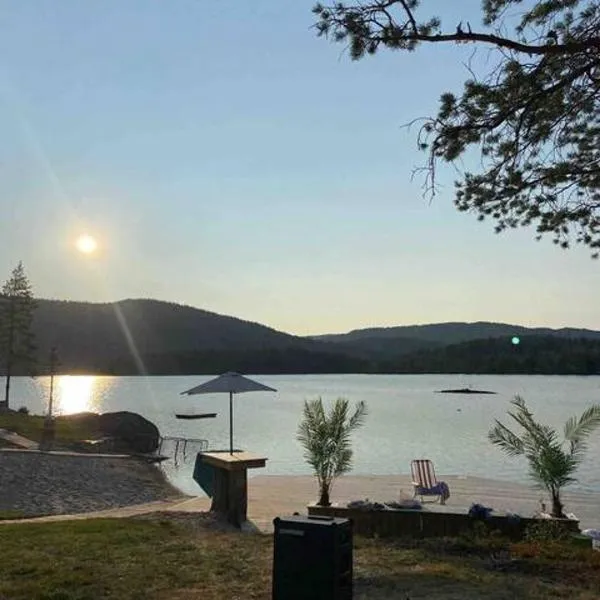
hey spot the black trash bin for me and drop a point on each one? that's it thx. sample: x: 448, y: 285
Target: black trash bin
x: 312, y: 558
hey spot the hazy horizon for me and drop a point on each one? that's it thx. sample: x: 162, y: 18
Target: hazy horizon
x: 224, y: 157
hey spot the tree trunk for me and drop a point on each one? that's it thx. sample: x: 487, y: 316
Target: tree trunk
x: 557, y: 507
x: 6, y: 389
x: 9, y: 354
x: 324, y: 499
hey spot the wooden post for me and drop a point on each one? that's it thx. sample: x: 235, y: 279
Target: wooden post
x: 230, y: 493
x: 48, y: 433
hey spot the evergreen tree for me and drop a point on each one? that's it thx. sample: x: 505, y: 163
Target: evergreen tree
x: 16, y: 337
x: 533, y: 117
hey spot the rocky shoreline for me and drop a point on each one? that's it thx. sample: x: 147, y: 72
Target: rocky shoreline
x: 36, y: 483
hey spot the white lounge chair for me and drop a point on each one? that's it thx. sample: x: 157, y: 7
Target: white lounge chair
x: 425, y: 482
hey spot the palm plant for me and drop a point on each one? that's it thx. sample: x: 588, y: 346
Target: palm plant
x: 552, y: 461
x: 326, y: 440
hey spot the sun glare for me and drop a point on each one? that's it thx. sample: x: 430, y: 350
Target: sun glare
x: 86, y: 244
x: 75, y: 393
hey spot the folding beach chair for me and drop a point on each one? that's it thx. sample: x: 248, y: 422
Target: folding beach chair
x: 425, y: 483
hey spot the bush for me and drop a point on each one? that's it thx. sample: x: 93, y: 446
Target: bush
x: 480, y: 535
x: 557, y: 552
x: 547, y: 530
x: 23, y: 410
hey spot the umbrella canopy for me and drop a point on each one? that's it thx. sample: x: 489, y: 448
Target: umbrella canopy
x: 232, y: 383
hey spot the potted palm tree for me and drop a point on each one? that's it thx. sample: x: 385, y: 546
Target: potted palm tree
x: 552, y: 461
x: 326, y: 440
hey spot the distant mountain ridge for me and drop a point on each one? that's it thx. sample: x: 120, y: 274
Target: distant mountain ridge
x: 144, y: 336
x: 454, y: 332
x: 393, y: 342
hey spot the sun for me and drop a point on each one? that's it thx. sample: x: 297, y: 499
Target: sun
x: 86, y: 244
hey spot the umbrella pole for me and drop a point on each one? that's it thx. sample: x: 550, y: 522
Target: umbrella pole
x: 230, y: 422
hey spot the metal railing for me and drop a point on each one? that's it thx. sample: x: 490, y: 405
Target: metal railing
x: 181, y: 446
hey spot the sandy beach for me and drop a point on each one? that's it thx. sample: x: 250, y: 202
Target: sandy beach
x: 274, y: 495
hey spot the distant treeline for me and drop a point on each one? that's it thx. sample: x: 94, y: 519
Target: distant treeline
x: 264, y: 361
x: 544, y: 355
x: 133, y: 337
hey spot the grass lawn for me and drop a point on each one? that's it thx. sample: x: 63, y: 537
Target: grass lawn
x: 8, y: 515
x: 175, y: 558
x: 32, y: 426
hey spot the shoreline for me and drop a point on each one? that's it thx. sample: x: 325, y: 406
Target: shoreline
x: 272, y: 495
x: 576, y: 488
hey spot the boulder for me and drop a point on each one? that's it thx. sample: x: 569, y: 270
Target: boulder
x: 129, y: 432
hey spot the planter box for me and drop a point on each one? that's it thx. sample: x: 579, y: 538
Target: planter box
x: 423, y: 523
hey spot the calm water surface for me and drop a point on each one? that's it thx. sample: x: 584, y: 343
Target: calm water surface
x: 406, y: 420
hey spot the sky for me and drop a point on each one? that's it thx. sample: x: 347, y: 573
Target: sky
x: 224, y: 157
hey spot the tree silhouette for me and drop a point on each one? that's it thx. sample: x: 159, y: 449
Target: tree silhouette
x: 16, y: 337
x: 533, y: 117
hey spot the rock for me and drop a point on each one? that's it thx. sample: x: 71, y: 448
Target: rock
x: 130, y: 430
x: 130, y: 433
x: 105, y: 445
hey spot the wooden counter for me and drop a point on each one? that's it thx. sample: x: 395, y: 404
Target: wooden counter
x: 235, y: 461
x: 230, y: 481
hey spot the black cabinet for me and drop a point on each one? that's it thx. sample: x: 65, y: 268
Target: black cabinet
x: 312, y: 558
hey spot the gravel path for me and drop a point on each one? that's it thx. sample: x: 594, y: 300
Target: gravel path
x: 39, y: 483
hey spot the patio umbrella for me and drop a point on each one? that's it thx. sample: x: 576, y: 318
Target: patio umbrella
x: 231, y: 382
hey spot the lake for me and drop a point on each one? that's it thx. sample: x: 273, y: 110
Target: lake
x: 406, y: 420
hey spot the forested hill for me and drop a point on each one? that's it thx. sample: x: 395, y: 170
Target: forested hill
x: 535, y: 354
x: 385, y: 343
x: 453, y: 332
x: 149, y: 336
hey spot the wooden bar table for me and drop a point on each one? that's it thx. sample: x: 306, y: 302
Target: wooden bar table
x: 229, y: 481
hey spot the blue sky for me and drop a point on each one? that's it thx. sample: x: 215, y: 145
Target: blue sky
x: 226, y: 158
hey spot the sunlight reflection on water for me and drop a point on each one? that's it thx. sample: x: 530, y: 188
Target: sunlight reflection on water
x: 75, y: 393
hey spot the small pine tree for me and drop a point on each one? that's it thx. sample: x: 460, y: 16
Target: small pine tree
x: 16, y: 316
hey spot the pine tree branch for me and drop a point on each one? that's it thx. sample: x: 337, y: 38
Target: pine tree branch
x: 501, y: 42
x: 342, y: 18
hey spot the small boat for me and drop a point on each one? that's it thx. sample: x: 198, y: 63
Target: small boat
x: 197, y: 416
x: 465, y: 391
